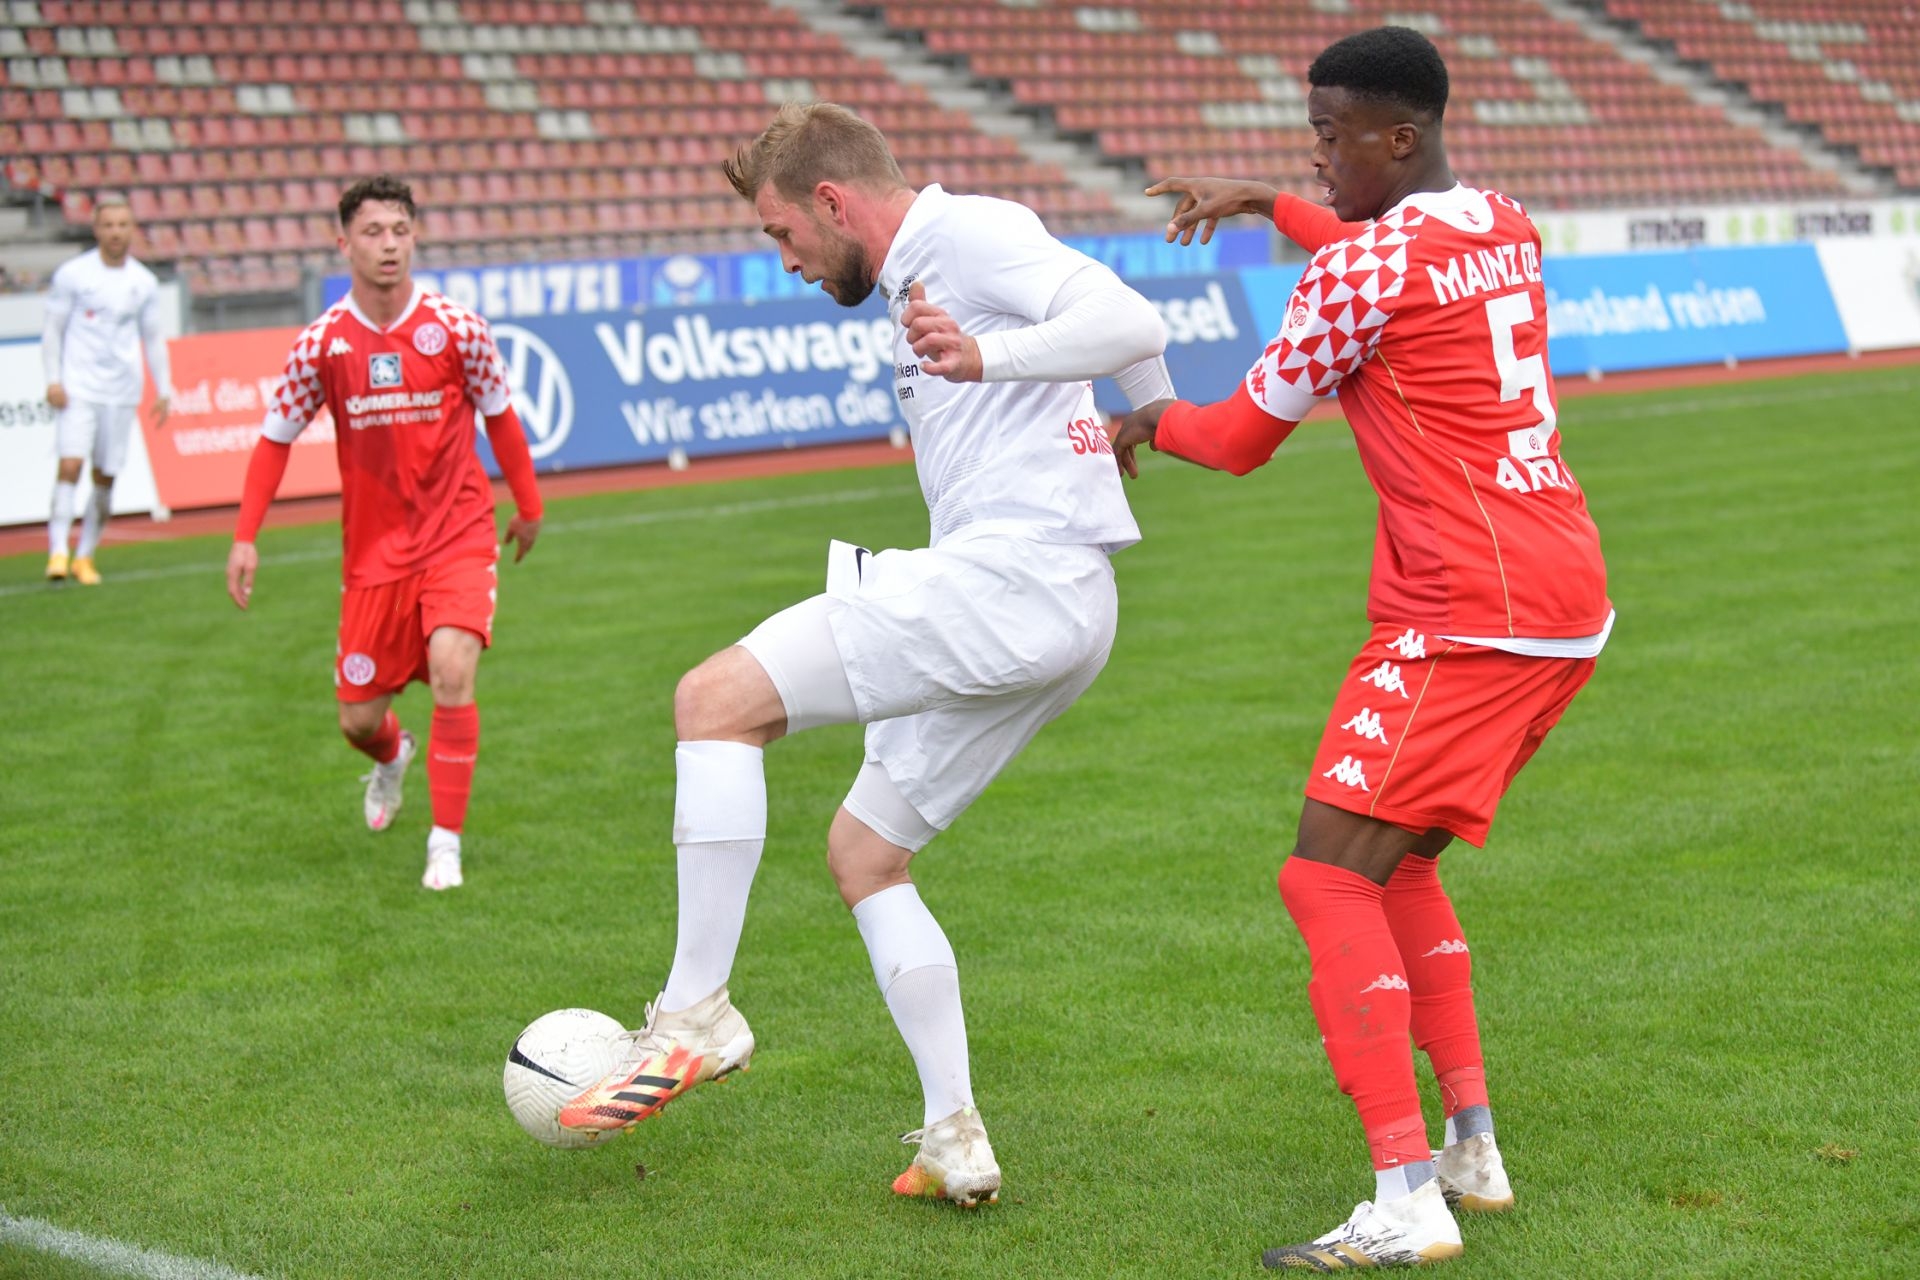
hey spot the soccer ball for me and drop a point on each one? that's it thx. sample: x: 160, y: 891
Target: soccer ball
x: 557, y: 1056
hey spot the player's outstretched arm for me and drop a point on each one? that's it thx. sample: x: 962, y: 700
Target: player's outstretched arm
x: 1204, y: 201
x: 509, y: 441
x: 242, y: 562
x: 265, y: 469
x: 1234, y: 435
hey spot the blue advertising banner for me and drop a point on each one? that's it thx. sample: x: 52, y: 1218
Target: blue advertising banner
x: 1652, y: 310
x: 526, y: 290
x: 611, y: 389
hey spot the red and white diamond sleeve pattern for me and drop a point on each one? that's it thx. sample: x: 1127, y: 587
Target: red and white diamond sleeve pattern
x: 1334, y: 318
x: 296, y: 401
x: 485, y: 371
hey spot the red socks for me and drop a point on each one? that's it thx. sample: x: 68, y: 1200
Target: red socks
x: 1361, y: 1001
x: 1440, y: 968
x: 384, y: 745
x: 451, y: 751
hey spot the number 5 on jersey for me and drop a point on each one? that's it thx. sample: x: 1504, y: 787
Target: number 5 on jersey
x: 1530, y: 468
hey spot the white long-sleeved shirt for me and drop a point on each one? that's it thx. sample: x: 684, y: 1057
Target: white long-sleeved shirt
x: 98, y: 317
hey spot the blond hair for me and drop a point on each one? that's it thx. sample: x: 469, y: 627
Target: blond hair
x: 811, y: 143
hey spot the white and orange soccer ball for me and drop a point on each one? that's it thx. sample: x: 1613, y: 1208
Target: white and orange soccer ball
x: 558, y: 1055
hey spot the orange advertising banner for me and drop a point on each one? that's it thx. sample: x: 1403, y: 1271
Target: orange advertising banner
x: 222, y: 384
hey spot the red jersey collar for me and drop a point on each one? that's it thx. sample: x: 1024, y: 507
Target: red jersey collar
x: 419, y: 292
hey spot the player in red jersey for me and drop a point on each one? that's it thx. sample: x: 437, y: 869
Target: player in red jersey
x: 1423, y: 309
x: 403, y: 372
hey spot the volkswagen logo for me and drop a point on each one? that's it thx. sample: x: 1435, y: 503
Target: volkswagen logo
x: 541, y: 390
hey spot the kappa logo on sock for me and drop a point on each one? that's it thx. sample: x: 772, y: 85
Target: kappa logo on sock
x: 1451, y: 947
x: 1386, y: 982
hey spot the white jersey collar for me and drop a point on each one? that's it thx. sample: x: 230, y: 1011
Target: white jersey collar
x: 1460, y: 206
x: 924, y: 208
x: 419, y: 292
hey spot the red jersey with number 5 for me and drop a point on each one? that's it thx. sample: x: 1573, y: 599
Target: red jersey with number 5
x: 403, y: 400
x: 1431, y: 324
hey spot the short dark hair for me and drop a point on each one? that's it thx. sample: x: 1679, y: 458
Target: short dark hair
x: 384, y: 187
x: 1394, y: 65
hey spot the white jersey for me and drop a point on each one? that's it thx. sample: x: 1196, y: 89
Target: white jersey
x: 97, y: 317
x: 1026, y: 459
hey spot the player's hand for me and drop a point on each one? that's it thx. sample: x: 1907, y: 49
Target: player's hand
x: 242, y: 561
x: 1204, y: 201
x: 56, y: 395
x: 1129, y: 432
x: 935, y: 337
x: 161, y: 408
x: 522, y: 531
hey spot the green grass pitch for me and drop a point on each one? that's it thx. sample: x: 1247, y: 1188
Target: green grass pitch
x: 236, y: 1029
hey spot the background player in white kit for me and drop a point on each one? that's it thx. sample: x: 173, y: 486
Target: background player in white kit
x: 953, y: 656
x: 102, y: 306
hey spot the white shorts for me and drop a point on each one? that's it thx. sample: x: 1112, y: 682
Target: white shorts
x: 955, y: 656
x: 86, y: 429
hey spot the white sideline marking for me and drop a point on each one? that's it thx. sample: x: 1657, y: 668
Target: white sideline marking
x: 108, y: 1255
x: 217, y: 570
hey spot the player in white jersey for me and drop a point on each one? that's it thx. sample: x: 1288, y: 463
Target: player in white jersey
x: 103, y: 305
x: 954, y: 656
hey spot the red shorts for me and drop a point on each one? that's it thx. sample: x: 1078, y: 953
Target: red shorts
x: 1429, y: 733
x: 384, y: 629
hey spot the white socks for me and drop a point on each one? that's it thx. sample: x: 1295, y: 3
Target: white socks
x: 914, y: 965
x: 99, y: 511
x: 1404, y: 1180
x: 719, y: 829
x: 60, y: 520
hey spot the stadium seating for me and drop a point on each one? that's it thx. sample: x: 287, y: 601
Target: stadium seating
x: 1851, y: 70
x: 1538, y: 109
x: 549, y: 128
x: 528, y: 128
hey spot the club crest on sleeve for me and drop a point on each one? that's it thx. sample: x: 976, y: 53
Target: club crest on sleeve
x: 383, y: 369
x: 430, y: 339
x: 1298, y: 315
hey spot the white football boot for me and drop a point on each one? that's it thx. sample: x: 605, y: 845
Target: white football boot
x: 668, y: 1056
x: 383, y: 785
x: 1471, y: 1176
x: 955, y: 1162
x: 443, y: 861
x: 1408, y: 1232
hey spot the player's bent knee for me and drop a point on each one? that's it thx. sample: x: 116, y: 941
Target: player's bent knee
x: 360, y: 721
x: 728, y: 697
x: 862, y: 860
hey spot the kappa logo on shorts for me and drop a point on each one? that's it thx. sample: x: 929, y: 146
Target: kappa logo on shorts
x: 430, y: 339
x: 1367, y: 724
x: 1386, y: 982
x: 357, y: 669
x: 1387, y: 676
x: 383, y: 369
x: 1411, y: 645
x: 1451, y: 947
x: 1348, y: 773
